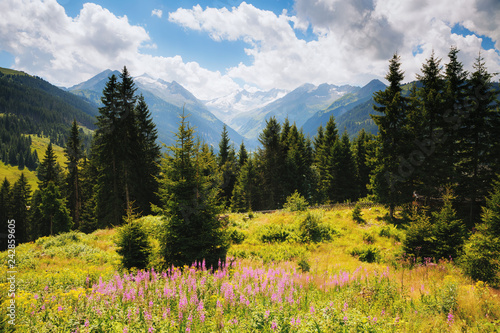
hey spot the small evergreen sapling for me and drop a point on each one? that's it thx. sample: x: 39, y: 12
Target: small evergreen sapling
x: 133, y: 243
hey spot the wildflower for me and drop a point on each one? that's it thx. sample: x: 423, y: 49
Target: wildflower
x: 450, y: 319
x: 86, y: 323
x: 151, y: 329
x: 274, y: 325
x: 266, y: 315
x: 312, y: 309
x: 125, y: 330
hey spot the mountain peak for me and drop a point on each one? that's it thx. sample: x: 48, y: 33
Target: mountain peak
x: 96, y: 82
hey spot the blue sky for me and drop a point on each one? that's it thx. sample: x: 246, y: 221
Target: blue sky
x: 215, y: 47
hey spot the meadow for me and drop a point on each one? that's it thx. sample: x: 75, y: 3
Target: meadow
x: 314, y: 271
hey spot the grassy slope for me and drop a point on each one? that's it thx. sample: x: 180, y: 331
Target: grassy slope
x: 419, y: 295
x: 40, y: 145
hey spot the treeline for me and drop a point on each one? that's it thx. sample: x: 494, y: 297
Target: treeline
x: 15, y: 148
x: 94, y: 189
x: 444, y: 133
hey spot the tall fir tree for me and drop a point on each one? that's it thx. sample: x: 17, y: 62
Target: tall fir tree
x: 5, y: 211
x: 479, y: 152
x: 128, y: 133
x: 189, y: 194
x: 245, y: 195
x: 363, y: 150
x: 74, y: 153
x: 242, y: 155
x: 20, y: 206
x: 434, y: 169
x: 110, y: 205
x: 55, y: 215
x: 228, y: 166
x: 49, y: 170
x: 325, y: 160
x: 389, y: 182
x: 271, y: 165
x: 147, y: 159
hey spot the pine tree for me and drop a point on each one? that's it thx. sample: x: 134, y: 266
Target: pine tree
x: 325, y: 160
x: 242, y: 155
x: 389, y: 182
x: 344, y: 171
x: 193, y: 231
x: 5, y: 211
x: 55, y: 215
x: 228, y: 167
x: 434, y: 170
x: 479, y: 152
x: 127, y: 132
x: 74, y: 153
x: 482, y: 250
x: 271, y: 165
x: 49, y: 170
x: 133, y: 243
x: 363, y: 146
x: 20, y: 199
x: 245, y: 195
x: 105, y: 151
x: 147, y: 158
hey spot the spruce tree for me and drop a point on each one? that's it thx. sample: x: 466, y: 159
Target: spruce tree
x: 242, y: 155
x: 435, y: 169
x: 270, y: 159
x: 479, y: 154
x: 49, y: 170
x: 5, y: 211
x: 193, y: 231
x: 105, y: 151
x: 74, y: 153
x: 55, y: 215
x: 325, y: 160
x: 228, y: 167
x: 363, y: 149
x: 128, y: 133
x: 147, y: 158
x: 20, y: 205
x: 245, y: 196
x: 390, y: 182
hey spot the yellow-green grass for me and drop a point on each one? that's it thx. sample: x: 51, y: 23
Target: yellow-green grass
x: 405, y: 298
x: 12, y: 173
x: 38, y: 144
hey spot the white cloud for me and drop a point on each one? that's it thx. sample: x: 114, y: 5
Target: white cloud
x: 351, y: 41
x: 354, y: 39
x: 157, y: 12
x: 67, y: 51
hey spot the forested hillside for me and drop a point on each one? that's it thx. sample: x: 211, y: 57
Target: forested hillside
x: 30, y: 105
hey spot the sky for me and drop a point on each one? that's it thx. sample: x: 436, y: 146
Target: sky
x: 215, y: 47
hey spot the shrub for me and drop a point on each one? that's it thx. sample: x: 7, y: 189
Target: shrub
x: 304, y: 265
x: 274, y: 233
x: 133, y: 245
x: 295, y: 203
x: 310, y: 228
x: 357, y: 216
x: 367, y: 254
x: 236, y: 236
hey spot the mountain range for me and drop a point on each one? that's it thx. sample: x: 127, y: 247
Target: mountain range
x: 245, y: 112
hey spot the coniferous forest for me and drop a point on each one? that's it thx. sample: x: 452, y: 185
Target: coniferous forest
x: 434, y: 165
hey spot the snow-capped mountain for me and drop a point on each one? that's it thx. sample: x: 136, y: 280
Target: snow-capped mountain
x: 239, y: 101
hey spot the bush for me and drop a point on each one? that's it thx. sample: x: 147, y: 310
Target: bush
x: 274, y: 233
x: 357, y: 216
x: 236, y: 236
x: 295, y: 203
x: 367, y: 254
x: 133, y: 245
x: 310, y: 228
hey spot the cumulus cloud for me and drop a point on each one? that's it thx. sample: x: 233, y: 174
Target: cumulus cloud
x: 157, y: 12
x: 67, y: 51
x: 352, y: 40
x: 347, y: 41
